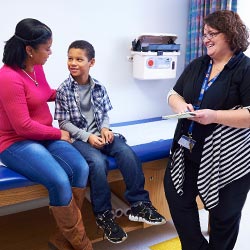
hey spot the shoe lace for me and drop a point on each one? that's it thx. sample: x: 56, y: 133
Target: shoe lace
x: 109, y: 222
x: 150, y: 209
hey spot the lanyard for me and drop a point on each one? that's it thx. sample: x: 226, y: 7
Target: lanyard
x: 205, y: 86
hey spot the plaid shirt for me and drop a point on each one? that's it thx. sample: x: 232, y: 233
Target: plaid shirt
x: 67, y: 105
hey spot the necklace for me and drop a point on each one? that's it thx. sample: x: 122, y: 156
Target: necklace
x: 34, y: 80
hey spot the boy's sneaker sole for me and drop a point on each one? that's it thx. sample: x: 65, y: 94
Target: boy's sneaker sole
x: 141, y: 219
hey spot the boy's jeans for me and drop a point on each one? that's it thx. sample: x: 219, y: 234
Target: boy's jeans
x: 127, y: 162
x: 56, y: 164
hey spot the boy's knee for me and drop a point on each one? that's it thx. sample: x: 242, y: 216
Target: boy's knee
x: 100, y: 163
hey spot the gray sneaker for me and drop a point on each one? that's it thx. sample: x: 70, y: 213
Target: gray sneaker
x: 113, y: 232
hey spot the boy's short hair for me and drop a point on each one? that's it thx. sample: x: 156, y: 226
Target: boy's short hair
x: 84, y: 45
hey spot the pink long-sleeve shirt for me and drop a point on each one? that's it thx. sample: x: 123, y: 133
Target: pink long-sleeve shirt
x: 24, y: 112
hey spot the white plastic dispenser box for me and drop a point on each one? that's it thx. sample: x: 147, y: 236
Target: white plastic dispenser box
x: 155, y: 56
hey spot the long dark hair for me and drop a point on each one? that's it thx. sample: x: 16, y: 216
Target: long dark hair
x: 30, y: 32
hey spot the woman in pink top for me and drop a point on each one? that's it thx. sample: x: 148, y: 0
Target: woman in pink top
x: 29, y: 144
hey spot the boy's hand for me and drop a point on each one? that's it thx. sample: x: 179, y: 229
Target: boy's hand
x: 107, y: 135
x: 96, y: 141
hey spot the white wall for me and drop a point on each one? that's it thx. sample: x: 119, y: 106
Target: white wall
x: 243, y: 11
x: 110, y: 26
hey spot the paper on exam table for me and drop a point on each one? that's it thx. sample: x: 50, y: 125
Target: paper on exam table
x: 147, y: 132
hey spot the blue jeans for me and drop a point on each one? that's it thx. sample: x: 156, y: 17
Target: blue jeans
x: 56, y: 164
x: 127, y: 162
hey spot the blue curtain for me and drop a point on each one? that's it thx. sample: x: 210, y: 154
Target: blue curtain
x: 198, y: 9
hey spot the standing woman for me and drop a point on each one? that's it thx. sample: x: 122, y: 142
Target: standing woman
x: 210, y: 155
x: 29, y: 144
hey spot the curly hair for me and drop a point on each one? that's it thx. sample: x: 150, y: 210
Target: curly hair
x: 230, y: 24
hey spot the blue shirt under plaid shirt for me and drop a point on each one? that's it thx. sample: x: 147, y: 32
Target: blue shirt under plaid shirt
x: 67, y: 105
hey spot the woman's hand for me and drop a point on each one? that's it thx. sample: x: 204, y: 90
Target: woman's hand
x: 179, y: 105
x: 238, y: 118
x: 205, y: 116
x: 65, y: 136
x: 187, y: 107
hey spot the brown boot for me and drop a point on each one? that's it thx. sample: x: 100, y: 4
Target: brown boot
x: 79, y: 195
x: 57, y: 241
x: 69, y: 221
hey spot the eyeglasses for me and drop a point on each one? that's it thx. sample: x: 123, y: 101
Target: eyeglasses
x: 210, y: 36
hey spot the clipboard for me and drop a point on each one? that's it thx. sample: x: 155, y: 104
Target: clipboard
x: 179, y: 116
x: 187, y: 115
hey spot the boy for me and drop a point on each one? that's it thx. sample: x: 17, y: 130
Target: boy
x: 82, y: 106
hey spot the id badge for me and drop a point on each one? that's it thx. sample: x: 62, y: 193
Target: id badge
x: 187, y: 142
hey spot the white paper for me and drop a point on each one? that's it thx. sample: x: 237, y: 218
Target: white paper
x: 179, y: 116
x: 147, y: 132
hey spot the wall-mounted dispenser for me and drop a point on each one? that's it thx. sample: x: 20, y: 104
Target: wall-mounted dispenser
x: 154, y: 56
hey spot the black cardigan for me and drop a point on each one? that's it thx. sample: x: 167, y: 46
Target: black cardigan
x: 230, y: 89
